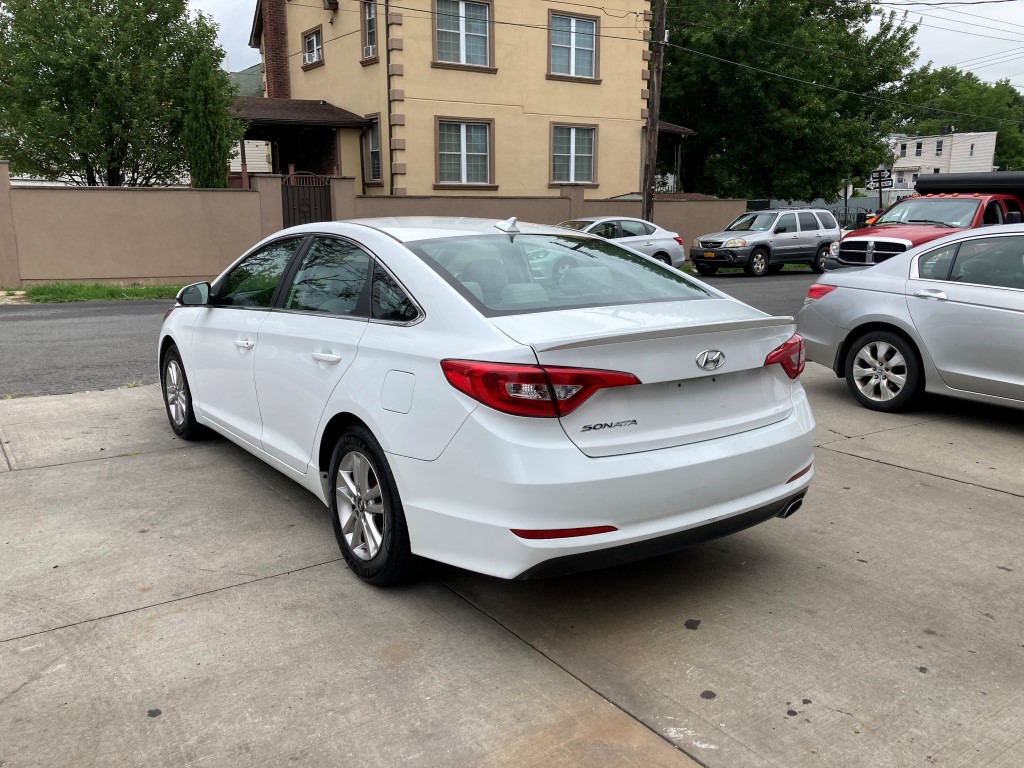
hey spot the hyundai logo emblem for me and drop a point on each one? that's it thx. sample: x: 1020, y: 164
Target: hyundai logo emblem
x: 710, y: 359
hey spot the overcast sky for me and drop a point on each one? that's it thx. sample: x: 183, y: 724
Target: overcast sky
x: 985, y: 37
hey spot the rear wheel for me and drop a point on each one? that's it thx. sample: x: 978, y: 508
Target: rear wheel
x: 818, y: 265
x: 757, y: 264
x: 706, y: 269
x: 663, y: 258
x: 366, y: 511
x: 882, y: 371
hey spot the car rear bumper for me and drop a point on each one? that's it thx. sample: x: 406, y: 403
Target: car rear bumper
x: 500, y: 473
x: 720, y: 256
x: 822, y: 338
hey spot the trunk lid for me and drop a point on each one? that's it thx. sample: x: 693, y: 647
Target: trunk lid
x: 677, y: 401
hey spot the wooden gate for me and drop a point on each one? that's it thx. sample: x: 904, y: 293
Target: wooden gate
x: 305, y: 197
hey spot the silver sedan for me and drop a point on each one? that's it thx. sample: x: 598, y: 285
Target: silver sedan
x: 637, y: 234
x: 946, y: 317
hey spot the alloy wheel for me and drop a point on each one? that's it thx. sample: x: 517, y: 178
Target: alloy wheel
x: 880, y: 371
x: 361, y: 511
x: 177, y: 392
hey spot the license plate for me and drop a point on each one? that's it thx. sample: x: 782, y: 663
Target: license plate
x: 709, y: 254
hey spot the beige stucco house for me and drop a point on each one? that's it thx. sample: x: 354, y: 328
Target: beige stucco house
x: 481, y: 97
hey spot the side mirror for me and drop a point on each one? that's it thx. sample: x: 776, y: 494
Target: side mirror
x: 197, y: 294
x: 1012, y: 217
x: 780, y: 230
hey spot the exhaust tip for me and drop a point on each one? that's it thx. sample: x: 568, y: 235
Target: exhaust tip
x: 792, y: 507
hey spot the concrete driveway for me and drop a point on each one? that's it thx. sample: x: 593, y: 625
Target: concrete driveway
x: 171, y: 604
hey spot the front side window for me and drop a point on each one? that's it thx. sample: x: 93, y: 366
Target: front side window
x: 807, y: 222
x: 331, y: 279
x: 572, y: 154
x: 540, y: 273
x: 463, y: 153
x: 373, y: 156
x: 252, y: 282
x: 752, y: 222
x: 993, y: 213
x: 573, y: 46
x: 369, y: 29
x: 462, y: 35
x: 787, y: 223
x: 312, y: 47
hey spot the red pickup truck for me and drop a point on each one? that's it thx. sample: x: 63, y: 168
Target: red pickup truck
x: 944, y: 203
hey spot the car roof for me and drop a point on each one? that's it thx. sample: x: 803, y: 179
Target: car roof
x: 610, y: 218
x: 410, y: 228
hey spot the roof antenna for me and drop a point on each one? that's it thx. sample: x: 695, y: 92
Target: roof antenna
x: 509, y: 228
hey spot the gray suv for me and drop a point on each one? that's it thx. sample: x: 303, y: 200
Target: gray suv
x: 764, y: 241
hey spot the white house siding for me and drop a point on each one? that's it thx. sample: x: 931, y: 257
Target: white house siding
x: 257, y: 158
x: 956, y: 155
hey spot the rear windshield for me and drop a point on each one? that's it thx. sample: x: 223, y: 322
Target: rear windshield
x: 502, y: 275
x: 931, y: 210
x: 752, y: 222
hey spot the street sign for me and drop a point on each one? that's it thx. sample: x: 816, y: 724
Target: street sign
x: 879, y: 184
x: 881, y: 174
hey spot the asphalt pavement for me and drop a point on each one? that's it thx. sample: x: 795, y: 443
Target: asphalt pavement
x: 50, y: 349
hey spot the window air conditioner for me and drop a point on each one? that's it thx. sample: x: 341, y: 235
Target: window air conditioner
x: 330, y: 5
x: 310, y: 57
x: 369, y: 51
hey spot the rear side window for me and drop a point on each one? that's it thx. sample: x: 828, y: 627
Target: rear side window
x: 331, y: 278
x: 993, y: 261
x: 633, y: 228
x: 388, y: 300
x: 828, y: 221
x: 1011, y: 206
x: 807, y: 222
x: 538, y: 273
x: 252, y: 282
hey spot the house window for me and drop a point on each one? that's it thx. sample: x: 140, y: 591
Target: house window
x: 972, y: 150
x: 368, y: 19
x: 463, y: 33
x: 312, y: 48
x: 900, y: 179
x: 572, y: 154
x: 938, y: 148
x: 903, y: 150
x: 917, y: 149
x: 372, y: 150
x: 573, y: 46
x: 936, y: 170
x: 913, y: 179
x: 463, y: 152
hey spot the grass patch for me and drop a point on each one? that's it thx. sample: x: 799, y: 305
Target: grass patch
x: 64, y: 292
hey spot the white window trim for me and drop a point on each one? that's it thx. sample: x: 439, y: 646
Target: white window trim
x: 463, y: 154
x: 573, y: 47
x: 572, y: 155
x: 462, y: 35
x: 370, y: 19
x: 317, y: 53
x: 371, y: 133
x: 938, y: 148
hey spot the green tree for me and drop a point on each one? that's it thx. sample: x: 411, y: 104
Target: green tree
x: 979, y: 106
x: 771, y: 135
x: 95, y: 91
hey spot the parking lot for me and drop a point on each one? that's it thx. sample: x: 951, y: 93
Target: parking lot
x: 183, y: 604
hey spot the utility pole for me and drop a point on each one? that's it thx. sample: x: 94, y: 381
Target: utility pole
x: 654, y: 110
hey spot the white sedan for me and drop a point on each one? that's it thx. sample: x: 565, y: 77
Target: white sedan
x: 445, y: 402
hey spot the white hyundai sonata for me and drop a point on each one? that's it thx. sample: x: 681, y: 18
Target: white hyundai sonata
x: 446, y: 402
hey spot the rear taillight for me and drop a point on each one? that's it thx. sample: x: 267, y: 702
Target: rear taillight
x: 530, y: 390
x: 678, y: 239
x: 790, y: 356
x: 818, y: 290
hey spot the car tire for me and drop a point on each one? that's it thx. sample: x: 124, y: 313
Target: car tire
x: 883, y: 372
x: 818, y: 265
x: 705, y: 269
x: 757, y: 264
x: 178, y: 396
x: 366, y: 511
x: 663, y: 258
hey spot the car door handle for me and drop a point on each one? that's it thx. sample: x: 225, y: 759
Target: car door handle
x: 649, y: 242
x: 325, y: 357
x: 931, y: 293
x: 245, y: 343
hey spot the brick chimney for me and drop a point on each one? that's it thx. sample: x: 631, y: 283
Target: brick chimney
x: 275, y: 49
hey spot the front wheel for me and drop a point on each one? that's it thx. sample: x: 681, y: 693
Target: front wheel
x: 366, y: 511
x: 178, y: 396
x: 882, y: 371
x: 818, y: 265
x: 706, y: 269
x: 757, y: 264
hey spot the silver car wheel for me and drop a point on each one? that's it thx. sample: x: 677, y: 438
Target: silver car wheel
x: 176, y: 392
x: 879, y: 371
x: 360, y: 505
